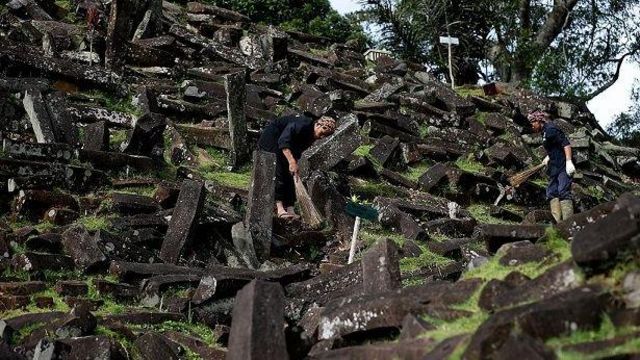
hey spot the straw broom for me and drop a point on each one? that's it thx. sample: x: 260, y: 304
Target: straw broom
x: 309, y: 213
x: 519, y: 178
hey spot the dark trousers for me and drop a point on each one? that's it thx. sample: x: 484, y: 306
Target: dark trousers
x: 559, y: 186
x: 285, y: 189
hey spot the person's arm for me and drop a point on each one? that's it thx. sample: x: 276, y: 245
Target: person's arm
x: 293, y: 164
x: 568, y: 154
x: 284, y: 143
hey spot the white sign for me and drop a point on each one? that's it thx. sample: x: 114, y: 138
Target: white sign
x: 449, y: 40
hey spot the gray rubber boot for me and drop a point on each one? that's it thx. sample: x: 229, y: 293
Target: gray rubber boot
x: 567, y: 209
x: 556, y: 210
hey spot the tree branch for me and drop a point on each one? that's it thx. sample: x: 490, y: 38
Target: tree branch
x: 611, y: 81
x: 554, y: 23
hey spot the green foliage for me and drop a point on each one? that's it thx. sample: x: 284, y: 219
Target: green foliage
x: 571, y: 49
x: 25, y: 331
x: 626, y: 126
x: 142, y: 190
x: 470, y: 164
x: 315, y: 17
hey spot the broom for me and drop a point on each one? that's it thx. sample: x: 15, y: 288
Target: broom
x: 519, y: 178
x: 308, y: 211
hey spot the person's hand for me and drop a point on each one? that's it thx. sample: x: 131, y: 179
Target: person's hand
x: 570, y: 168
x: 545, y: 162
x: 293, y: 168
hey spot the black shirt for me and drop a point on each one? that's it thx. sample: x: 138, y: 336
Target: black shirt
x: 288, y: 132
x: 554, y: 141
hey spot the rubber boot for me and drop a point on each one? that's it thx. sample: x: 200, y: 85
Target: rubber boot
x: 556, y: 210
x: 567, y: 209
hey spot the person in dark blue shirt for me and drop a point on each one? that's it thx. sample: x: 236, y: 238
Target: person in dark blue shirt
x: 288, y: 137
x: 560, y: 167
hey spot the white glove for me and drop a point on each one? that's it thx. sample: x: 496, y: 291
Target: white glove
x: 545, y: 162
x: 571, y: 169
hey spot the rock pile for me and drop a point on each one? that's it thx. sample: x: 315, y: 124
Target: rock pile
x: 135, y: 221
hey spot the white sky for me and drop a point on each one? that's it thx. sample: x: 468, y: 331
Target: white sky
x: 605, y: 107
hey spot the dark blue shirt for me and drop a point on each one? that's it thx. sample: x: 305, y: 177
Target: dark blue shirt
x: 288, y: 132
x: 554, y: 141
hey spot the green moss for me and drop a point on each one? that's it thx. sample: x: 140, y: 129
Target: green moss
x: 93, y: 223
x: 25, y: 331
x: 230, y: 179
x: 469, y: 164
x: 607, y: 330
x: 370, y: 189
x: 123, y: 105
x: 481, y: 117
x: 466, y: 91
x: 556, y: 243
x: 415, y: 171
x: 117, y: 137
x: 424, y: 131
x: 369, y: 234
x: 58, y: 302
x: 446, y: 329
x: 142, y: 190
x: 363, y: 150
x: 494, y: 270
x: 481, y: 214
x: 427, y: 258
x: 45, y: 226
x: 595, y: 191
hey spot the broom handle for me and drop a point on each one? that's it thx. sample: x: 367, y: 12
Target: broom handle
x: 356, y: 229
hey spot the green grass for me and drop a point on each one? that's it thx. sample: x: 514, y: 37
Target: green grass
x: 110, y: 102
x: 427, y: 258
x: 25, y: 331
x: 540, y: 182
x: 469, y: 164
x: 142, y: 190
x: 424, y: 131
x: 231, y: 179
x: 117, y: 137
x: 465, y: 91
x: 481, y: 117
x: 446, y: 329
x: 481, y: 214
x: 595, y: 191
x: 606, y: 331
x: 363, y: 150
x: 371, y: 189
x: 93, y: 223
x: 415, y: 171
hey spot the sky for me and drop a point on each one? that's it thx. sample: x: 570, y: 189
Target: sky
x: 605, y: 107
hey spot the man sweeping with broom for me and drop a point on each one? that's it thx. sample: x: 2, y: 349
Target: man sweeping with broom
x: 560, y: 167
x: 288, y: 137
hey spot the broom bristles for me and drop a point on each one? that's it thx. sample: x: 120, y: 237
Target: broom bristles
x: 519, y: 178
x: 309, y: 213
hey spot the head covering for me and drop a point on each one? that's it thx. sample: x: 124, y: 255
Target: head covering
x: 328, y: 122
x: 538, y: 116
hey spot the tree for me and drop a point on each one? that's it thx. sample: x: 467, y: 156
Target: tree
x: 568, y: 48
x: 316, y: 17
x: 626, y: 126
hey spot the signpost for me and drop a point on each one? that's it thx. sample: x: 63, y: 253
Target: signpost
x: 449, y: 40
x: 359, y: 211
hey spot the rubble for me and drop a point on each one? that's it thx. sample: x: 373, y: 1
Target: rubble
x: 133, y: 220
